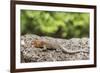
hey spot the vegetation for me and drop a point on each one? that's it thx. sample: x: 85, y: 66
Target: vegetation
x: 55, y: 24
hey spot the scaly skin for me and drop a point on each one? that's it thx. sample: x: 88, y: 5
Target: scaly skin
x: 54, y: 45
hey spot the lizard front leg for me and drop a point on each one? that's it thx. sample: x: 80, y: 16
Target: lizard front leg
x: 44, y: 47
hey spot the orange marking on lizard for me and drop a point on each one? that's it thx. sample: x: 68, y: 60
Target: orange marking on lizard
x: 38, y: 43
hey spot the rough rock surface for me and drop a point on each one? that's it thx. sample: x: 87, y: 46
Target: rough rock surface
x: 74, y: 49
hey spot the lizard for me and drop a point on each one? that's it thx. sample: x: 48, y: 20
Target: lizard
x: 39, y: 43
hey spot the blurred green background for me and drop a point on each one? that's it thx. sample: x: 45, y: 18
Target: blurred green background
x: 55, y: 24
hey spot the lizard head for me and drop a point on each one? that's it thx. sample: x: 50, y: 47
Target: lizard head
x: 38, y: 43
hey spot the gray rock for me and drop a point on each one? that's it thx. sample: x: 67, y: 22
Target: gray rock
x: 79, y: 46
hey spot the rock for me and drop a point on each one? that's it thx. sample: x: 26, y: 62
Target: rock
x: 79, y: 46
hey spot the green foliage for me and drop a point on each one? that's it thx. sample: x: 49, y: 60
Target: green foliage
x: 55, y: 24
